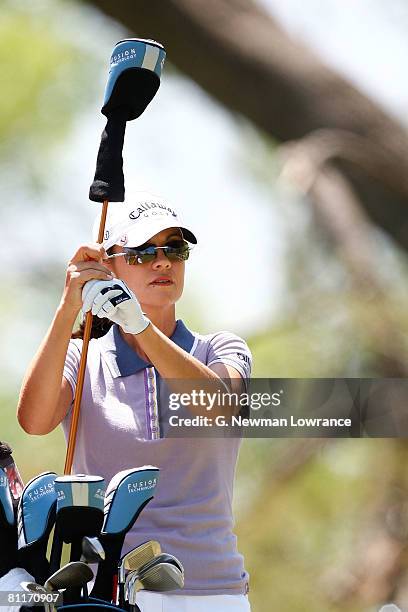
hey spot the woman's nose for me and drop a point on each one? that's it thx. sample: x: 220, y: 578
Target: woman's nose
x: 161, y: 262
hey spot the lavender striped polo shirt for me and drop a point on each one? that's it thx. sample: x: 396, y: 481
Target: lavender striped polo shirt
x: 119, y: 428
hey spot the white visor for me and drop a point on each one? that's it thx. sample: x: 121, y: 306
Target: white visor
x: 133, y: 223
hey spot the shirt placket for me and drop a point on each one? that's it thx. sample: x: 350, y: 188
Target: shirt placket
x: 152, y: 404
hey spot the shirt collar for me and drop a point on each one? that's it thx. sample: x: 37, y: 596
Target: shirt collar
x: 122, y: 360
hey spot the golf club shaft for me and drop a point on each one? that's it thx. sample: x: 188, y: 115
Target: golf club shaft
x: 82, y: 365
x: 121, y: 594
x: 56, y: 551
x: 76, y: 550
x: 105, y: 579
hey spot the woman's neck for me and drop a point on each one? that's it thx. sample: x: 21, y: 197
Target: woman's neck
x: 162, y: 318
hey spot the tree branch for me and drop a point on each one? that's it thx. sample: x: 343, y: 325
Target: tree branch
x: 237, y: 53
x: 308, y: 164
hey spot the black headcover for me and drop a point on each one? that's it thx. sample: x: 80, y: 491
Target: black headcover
x: 134, y: 78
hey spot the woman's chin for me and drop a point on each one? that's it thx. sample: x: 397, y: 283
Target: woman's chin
x: 160, y: 302
x: 160, y: 298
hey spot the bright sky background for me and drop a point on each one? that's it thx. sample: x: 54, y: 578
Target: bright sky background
x: 188, y: 148
x: 366, y: 40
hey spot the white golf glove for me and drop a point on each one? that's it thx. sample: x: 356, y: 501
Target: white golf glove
x: 114, y: 300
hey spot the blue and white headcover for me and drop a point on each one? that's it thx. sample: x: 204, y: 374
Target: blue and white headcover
x: 130, y: 54
x: 80, y: 490
x: 127, y: 494
x: 36, y: 509
x: 6, y: 502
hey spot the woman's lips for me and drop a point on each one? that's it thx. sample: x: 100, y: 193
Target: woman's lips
x: 162, y: 281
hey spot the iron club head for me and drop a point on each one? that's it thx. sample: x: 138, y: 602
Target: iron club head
x: 92, y: 550
x: 133, y: 560
x: 74, y: 574
x: 161, y: 577
x: 136, y: 558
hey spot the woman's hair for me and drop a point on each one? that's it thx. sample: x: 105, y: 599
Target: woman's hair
x: 99, y: 326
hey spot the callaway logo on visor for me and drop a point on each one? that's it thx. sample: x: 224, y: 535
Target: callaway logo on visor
x: 135, y: 214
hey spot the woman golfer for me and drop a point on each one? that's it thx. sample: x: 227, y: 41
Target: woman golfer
x: 137, y: 342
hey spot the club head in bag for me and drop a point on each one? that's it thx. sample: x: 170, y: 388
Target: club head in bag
x: 138, y: 557
x: 74, y: 574
x: 36, y: 518
x: 163, y: 558
x: 73, y: 579
x: 161, y: 577
x: 131, y: 588
x: 164, y: 573
x: 135, y: 559
x: 92, y: 550
x: 80, y: 501
x: 33, y: 587
x: 126, y: 496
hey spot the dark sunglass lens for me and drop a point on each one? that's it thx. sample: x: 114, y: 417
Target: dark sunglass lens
x: 136, y: 256
x: 176, y: 244
x: 175, y: 250
x: 181, y: 251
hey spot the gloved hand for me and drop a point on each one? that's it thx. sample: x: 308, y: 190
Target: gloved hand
x: 114, y: 300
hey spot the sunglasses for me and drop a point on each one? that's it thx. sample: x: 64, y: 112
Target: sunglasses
x: 176, y: 250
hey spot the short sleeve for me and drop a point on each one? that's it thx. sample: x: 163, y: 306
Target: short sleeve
x: 71, y: 366
x: 226, y: 347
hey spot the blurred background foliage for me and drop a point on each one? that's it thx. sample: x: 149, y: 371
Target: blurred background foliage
x: 323, y: 524
x: 39, y: 64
